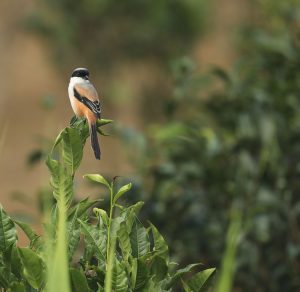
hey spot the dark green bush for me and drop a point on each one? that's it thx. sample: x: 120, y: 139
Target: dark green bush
x: 101, y: 32
x: 234, y: 141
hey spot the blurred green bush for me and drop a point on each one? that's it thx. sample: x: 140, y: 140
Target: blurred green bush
x: 104, y: 31
x: 229, y: 138
x: 234, y: 141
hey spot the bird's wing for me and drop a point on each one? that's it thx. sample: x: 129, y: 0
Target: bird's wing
x: 87, y: 94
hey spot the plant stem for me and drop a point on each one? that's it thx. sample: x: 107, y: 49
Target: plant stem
x: 111, y: 189
x: 109, y: 249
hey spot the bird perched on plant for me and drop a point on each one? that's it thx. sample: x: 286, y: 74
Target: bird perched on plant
x: 85, y: 103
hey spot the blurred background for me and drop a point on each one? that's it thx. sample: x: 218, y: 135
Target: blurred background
x: 205, y: 99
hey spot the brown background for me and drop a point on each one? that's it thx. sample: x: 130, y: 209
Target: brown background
x: 27, y: 74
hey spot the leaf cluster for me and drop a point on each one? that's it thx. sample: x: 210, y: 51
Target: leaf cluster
x: 232, y: 137
x: 116, y: 251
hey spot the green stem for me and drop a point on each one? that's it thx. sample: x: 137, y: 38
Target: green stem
x: 111, y: 189
x: 109, y: 249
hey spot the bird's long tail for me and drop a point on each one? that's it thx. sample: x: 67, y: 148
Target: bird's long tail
x: 94, y: 140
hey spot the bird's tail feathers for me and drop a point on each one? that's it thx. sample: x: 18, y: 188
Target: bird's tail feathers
x: 94, y: 141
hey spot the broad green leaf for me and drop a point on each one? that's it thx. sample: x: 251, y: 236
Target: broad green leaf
x: 124, y: 241
x: 35, y: 240
x: 16, y: 287
x: 153, y: 286
x: 129, y: 214
x: 8, y: 232
x: 121, y: 191
x: 33, y: 267
x: 160, y: 245
x: 115, y: 226
x: 16, y: 263
x: 4, y: 277
x: 139, y: 240
x: 97, y: 178
x: 82, y: 206
x: 61, y: 180
x: 158, y: 268
x: 141, y: 274
x: 78, y: 280
x: 73, y: 234
x: 72, y: 148
x: 96, y: 238
x: 119, y: 278
x: 202, y: 281
x: 180, y: 273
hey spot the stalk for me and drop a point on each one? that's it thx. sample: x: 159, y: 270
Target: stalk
x: 109, y: 248
x: 111, y: 190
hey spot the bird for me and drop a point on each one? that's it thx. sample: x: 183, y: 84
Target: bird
x: 85, y: 103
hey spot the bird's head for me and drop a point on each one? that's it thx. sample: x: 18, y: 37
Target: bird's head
x: 81, y: 73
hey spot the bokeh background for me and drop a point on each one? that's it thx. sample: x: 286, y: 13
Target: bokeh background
x: 205, y: 99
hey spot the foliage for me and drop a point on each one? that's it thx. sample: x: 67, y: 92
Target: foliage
x: 117, y: 252
x: 93, y: 30
x: 233, y: 138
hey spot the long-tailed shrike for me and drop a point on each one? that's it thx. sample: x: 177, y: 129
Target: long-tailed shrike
x: 85, y: 103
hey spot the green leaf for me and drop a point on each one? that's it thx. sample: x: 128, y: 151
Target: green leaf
x: 82, y: 207
x: 57, y: 259
x: 202, y: 281
x: 160, y: 245
x: 35, y: 240
x: 33, y: 267
x: 101, y: 214
x: 139, y: 240
x: 227, y: 271
x: 71, y: 145
x: 158, y: 268
x: 121, y: 191
x: 73, y: 233
x: 16, y: 287
x: 140, y: 275
x: 115, y: 226
x: 72, y: 148
x: 97, y: 178
x: 180, y: 273
x: 57, y: 140
x: 186, y: 287
x: 151, y: 285
x: 101, y: 132
x: 103, y: 122
x: 119, y: 278
x: 79, y: 282
x: 8, y: 232
x: 129, y: 214
x: 73, y: 120
x: 97, y: 239
x: 61, y: 180
x: 4, y: 277
x: 16, y: 263
x: 124, y: 241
